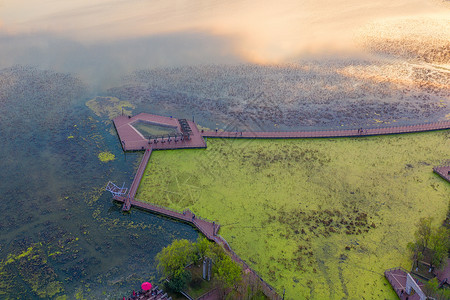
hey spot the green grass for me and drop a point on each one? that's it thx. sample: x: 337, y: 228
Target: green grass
x: 322, y: 218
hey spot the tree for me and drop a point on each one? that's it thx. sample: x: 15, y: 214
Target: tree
x: 416, y: 251
x: 432, y: 289
x: 227, y: 271
x: 435, y: 239
x: 439, y: 244
x: 422, y: 237
x: 423, y: 232
x: 216, y: 252
x: 174, y: 258
x: 179, y: 282
x: 202, y: 248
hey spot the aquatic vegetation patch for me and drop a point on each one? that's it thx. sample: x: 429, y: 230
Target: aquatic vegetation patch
x: 32, y: 267
x: 106, y: 156
x: 326, y: 93
x: 109, y: 107
x: 321, y: 218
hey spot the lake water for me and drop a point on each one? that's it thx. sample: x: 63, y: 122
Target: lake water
x: 228, y: 64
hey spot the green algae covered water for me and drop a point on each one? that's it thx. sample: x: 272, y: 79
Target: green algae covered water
x: 319, y: 218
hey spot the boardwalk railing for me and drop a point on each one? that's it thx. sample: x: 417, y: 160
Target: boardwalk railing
x: 177, y: 211
x: 206, y: 227
x: 159, y: 206
x: 396, y: 268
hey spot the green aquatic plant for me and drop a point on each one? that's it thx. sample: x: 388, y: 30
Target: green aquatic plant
x: 109, y: 107
x: 321, y: 218
x: 32, y: 267
x: 106, y: 156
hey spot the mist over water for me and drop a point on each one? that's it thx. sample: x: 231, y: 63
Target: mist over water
x: 103, y: 64
x: 268, y: 32
x: 231, y: 64
x: 276, y: 29
x: 104, y: 40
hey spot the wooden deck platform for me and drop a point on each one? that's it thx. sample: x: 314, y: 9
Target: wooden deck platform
x: 328, y: 133
x: 397, y: 279
x: 443, y: 171
x: 132, y: 140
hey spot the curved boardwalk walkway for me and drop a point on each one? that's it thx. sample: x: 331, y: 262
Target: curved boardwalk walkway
x: 208, y: 228
x: 328, y: 133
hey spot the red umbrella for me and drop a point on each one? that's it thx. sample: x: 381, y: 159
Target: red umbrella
x: 146, y: 286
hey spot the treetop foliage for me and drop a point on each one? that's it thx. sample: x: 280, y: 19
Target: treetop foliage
x: 173, y: 259
x: 435, y: 239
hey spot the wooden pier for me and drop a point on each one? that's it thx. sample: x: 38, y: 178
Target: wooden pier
x: 208, y: 229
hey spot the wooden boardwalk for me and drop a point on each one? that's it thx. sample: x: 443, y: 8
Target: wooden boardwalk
x: 443, y: 171
x: 328, y: 133
x: 139, y: 173
x: 137, y: 180
x: 208, y: 228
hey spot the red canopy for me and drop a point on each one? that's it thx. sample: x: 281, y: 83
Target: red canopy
x: 146, y: 286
